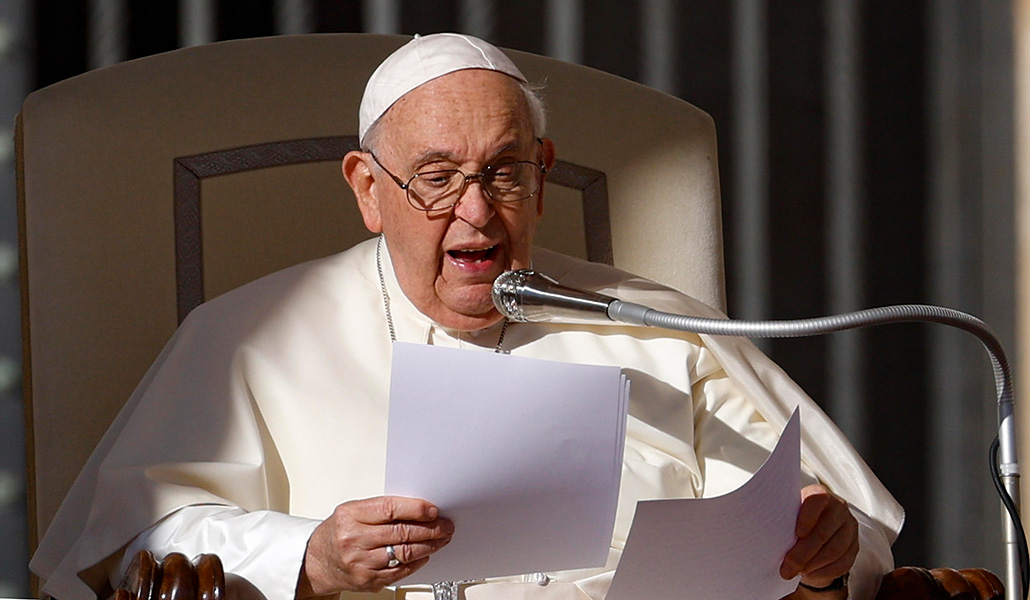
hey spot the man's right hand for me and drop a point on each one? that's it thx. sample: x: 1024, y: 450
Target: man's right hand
x: 347, y: 551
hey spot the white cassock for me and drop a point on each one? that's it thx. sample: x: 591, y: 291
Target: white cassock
x: 273, y: 398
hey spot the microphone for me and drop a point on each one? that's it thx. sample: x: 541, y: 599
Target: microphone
x: 530, y: 296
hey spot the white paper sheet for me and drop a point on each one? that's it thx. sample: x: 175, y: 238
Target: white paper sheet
x: 524, y: 455
x: 724, y: 548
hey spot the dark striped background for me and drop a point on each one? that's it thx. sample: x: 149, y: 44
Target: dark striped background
x: 897, y: 132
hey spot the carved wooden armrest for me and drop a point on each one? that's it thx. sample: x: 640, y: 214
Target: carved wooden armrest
x: 915, y: 583
x: 174, y: 578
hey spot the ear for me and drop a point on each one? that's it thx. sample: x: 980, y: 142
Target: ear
x: 360, y: 175
x: 548, y: 159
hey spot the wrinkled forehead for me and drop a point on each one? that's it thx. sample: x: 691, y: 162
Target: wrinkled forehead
x: 470, y: 114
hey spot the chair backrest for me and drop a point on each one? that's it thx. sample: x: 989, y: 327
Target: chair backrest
x: 117, y: 245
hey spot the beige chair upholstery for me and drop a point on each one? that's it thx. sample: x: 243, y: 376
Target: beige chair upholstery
x: 117, y: 244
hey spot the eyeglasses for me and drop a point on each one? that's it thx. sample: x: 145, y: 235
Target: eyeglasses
x: 432, y: 191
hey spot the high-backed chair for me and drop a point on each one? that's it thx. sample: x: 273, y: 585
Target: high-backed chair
x: 148, y: 187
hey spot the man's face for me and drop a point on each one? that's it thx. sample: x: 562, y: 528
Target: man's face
x: 446, y: 261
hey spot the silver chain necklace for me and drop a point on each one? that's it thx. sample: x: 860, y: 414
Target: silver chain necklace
x: 442, y: 590
x: 386, y: 301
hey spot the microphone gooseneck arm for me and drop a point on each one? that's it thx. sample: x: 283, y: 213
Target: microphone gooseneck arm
x: 1017, y: 567
x: 530, y: 296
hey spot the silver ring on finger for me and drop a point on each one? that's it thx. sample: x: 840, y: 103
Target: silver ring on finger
x: 391, y: 558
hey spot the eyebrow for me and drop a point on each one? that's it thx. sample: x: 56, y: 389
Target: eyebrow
x: 431, y: 156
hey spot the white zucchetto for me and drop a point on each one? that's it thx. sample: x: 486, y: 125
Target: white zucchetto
x: 421, y: 60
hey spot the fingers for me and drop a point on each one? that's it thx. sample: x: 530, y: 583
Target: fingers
x: 387, y: 509
x: 817, y: 505
x: 409, y: 553
x: 386, y: 576
x: 827, y: 538
x: 347, y: 551
x: 831, y: 560
x: 413, y: 521
x: 412, y: 531
x: 363, y: 578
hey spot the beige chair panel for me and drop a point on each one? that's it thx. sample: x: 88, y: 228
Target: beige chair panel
x: 96, y: 204
x: 251, y: 221
x: 660, y: 158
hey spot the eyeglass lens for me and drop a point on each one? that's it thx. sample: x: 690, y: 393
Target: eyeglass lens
x: 509, y: 182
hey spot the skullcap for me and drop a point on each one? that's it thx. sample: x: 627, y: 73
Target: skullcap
x: 421, y: 60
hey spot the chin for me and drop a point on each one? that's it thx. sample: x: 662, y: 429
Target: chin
x: 470, y: 322
x: 469, y: 299
x: 472, y: 317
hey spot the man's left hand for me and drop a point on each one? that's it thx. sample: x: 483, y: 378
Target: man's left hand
x: 827, y: 535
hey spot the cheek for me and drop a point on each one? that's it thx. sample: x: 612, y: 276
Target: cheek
x: 417, y: 243
x: 520, y: 232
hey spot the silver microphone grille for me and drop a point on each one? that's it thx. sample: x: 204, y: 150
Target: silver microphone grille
x: 530, y: 296
x: 505, y: 293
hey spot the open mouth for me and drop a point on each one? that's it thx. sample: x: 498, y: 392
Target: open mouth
x: 473, y: 255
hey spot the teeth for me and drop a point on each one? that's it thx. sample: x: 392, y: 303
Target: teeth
x: 472, y: 255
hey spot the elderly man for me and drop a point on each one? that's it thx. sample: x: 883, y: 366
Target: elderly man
x: 259, y: 434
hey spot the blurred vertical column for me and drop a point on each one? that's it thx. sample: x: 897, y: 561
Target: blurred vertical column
x: 1022, y: 151
x: 971, y: 241
x: 844, y: 223
x: 196, y: 22
x: 750, y: 168
x: 955, y: 201
x: 381, y: 16
x: 15, y: 68
x: 997, y: 234
x: 564, y: 30
x: 659, y: 45
x: 108, y: 32
x: 477, y: 17
x: 294, y: 17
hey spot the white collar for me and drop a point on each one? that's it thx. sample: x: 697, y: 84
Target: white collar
x: 413, y: 326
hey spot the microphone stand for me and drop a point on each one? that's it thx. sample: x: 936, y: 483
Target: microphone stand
x: 528, y: 295
x: 1014, y: 539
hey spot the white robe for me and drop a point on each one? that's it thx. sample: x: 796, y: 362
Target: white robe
x: 274, y: 397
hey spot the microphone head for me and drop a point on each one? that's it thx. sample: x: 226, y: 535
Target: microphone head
x: 506, y: 290
x: 530, y: 296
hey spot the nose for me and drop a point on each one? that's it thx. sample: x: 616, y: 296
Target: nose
x: 474, y: 206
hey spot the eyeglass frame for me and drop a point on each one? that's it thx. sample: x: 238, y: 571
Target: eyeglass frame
x: 408, y: 193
